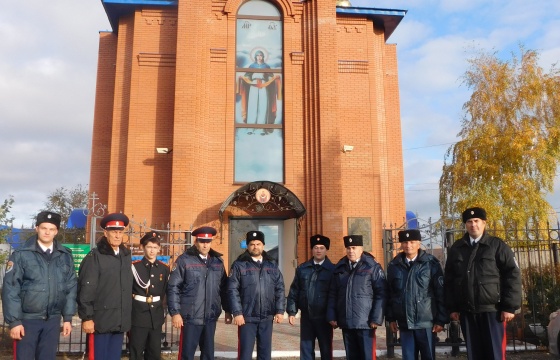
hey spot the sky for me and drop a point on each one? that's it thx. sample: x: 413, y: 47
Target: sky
x: 48, y: 68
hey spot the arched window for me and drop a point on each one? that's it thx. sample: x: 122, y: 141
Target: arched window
x: 259, y: 135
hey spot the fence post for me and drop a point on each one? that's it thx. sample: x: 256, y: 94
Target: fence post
x: 555, y: 253
x: 454, y: 337
x: 390, y: 337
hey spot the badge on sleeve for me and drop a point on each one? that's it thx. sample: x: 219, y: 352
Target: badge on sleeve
x: 9, y: 266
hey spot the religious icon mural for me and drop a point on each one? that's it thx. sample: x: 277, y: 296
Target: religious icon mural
x: 259, y: 138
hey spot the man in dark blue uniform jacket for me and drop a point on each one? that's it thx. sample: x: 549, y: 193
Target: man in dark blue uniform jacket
x: 196, y: 295
x: 416, y: 302
x: 309, y: 293
x: 148, y: 292
x: 39, y: 289
x: 482, y: 287
x: 256, y: 292
x: 357, y: 298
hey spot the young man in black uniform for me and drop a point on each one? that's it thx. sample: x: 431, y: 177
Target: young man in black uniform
x: 148, y: 291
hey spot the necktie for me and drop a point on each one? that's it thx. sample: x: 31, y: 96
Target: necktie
x: 410, y: 263
x: 258, y: 263
x: 317, y: 267
x: 48, y: 251
x: 205, y: 260
x: 353, y: 264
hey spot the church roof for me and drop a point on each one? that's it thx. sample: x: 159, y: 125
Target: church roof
x: 387, y: 19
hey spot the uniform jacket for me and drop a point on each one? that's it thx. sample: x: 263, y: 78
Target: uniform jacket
x: 357, y: 297
x: 309, y: 291
x: 105, y: 288
x: 256, y: 292
x: 196, y: 290
x: 483, y: 278
x: 416, y: 298
x: 145, y: 314
x: 35, y: 288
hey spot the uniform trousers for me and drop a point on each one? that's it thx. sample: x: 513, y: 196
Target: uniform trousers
x: 108, y: 346
x: 418, y: 341
x: 248, y: 333
x: 311, y: 329
x: 201, y: 336
x: 360, y: 344
x: 40, y: 340
x: 485, y: 335
x: 145, y: 343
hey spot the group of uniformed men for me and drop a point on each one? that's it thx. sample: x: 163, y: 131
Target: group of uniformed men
x: 40, y: 288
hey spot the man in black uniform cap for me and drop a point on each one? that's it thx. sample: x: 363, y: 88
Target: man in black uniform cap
x: 482, y: 285
x: 39, y: 289
x: 105, y: 289
x: 357, y: 298
x: 196, y: 295
x: 256, y: 293
x: 148, y: 291
x: 309, y: 293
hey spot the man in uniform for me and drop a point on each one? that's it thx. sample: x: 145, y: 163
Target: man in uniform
x: 39, y: 289
x: 196, y: 295
x: 256, y: 293
x: 148, y: 291
x: 482, y: 285
x: 416, y: 303
x: 105, y: 289
x: 309, y: 293
x: 357, y: 298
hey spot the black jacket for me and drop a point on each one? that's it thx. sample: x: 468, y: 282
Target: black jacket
x: 416, y: 299
x: 482, y: 278
x: 144, y: 314
x: 309, y: 291
x: 357, y: 297
x: 35, y: 288
x: 196, y: 290
x: 256, y: 292
x: 105, y: 288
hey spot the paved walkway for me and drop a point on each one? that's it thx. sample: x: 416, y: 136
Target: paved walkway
x: 285, y: 341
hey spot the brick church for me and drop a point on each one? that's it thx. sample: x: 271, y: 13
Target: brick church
x: 276, y: 115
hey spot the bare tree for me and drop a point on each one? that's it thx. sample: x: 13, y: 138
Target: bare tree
x: 64, y: 200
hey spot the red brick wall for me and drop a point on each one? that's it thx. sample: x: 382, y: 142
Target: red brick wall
x: 173, y: 86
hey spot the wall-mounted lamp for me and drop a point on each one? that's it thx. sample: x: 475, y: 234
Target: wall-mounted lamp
x: 164, y: 150
x: 347, y: 148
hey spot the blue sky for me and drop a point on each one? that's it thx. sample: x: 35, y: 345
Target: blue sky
x: 48, y: 68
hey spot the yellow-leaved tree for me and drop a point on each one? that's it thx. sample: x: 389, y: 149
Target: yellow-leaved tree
x: 510, y: 141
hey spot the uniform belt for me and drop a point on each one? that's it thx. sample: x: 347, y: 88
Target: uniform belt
x: 147, y: 299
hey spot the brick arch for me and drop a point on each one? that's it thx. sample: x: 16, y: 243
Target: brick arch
x: 285, y: 6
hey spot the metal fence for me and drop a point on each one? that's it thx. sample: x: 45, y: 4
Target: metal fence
x: 537, y: 253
